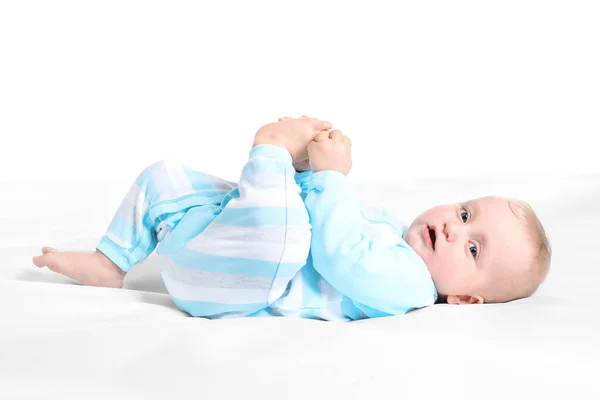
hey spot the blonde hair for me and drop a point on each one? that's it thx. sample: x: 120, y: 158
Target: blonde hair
x: 527, y: 279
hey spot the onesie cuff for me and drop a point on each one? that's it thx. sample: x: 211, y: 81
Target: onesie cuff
x: 271, y: 151
x: 326, y: 178
x: 115, y: 253
x: 303, y: 179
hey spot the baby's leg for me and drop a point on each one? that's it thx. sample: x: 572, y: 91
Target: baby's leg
x: 154, y: 205
x: 244, y: 259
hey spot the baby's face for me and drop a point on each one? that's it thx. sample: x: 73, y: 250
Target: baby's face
x: 466, y: 246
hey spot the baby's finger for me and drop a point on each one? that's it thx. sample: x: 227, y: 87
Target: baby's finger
x: 321, y: 136
x: 336, y: 135
x: 347, y: 141
x: 283, y: 118
x: 321, y: 125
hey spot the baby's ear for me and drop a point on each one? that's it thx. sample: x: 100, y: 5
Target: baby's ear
x: 464, y: 299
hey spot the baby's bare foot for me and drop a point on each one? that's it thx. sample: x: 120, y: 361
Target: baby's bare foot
x: 91, y: 269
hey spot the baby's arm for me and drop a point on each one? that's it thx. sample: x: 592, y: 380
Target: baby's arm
x: 380, y: 279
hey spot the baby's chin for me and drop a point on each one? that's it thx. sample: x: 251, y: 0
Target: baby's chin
x: 413, y: 239
x: 410, y: 237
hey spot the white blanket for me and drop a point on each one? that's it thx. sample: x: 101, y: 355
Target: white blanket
x: 59, y: 339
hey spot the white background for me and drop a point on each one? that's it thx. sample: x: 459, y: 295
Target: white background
x: 98, y: 90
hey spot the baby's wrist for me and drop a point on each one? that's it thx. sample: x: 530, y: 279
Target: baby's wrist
x: 272, y: 139
x: 273, y: 152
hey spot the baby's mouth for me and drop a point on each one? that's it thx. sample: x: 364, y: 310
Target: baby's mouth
x: 432, y: 236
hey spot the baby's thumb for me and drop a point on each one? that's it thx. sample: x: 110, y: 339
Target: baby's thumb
x: 312, y: 147
x: 321, y: 136
x: 321, y: 125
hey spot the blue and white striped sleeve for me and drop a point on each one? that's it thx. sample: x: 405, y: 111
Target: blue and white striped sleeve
x: 269, y: 207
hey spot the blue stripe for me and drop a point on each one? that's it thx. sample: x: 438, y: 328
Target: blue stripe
x: 257, y: 216
x: 187, y: 258
x: 172, y: 219
x: 265, y: 312
x: 192, y: 223
x: 234, y: 194
x: 183, y: 204
x: 368, y: 312
x: 117, y: 254
x: 146, y: 242
x: 350, y: 310
x: 215, y: 310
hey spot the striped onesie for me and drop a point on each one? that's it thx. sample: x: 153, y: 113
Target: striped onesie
x: 278, y: 243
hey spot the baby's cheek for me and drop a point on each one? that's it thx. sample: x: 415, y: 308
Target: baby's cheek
x: 450, y: 273
x: 440, y: 272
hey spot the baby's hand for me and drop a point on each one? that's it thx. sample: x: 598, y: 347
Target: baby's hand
x: 330, y: 151
x: 294, y: 134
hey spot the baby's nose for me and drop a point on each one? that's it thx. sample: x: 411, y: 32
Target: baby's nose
x: 452, y: 231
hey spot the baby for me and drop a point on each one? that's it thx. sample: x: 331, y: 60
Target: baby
x: 292, y: 239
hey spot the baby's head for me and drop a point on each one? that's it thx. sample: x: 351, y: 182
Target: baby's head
x: 489, y: 250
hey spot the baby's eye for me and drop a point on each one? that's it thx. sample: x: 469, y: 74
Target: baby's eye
x: 464, y: 215
x: 473, y: 250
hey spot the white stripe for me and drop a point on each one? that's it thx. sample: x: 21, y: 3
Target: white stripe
x: 223, y: 186
x: 333, y: 301
x: 250, y: 250
x: 188, y: 284
x: 293, y: 300
x: 219, y: 184
x: 205, y: 279
x: 118, y: 241
x: 133, y: 207
x: 274, y: 234
x: 185, y: 291
x: 272, y: 197
x: 170, y: 180
x: 254, y: 242
x: 266, y: 181
x: 278, y: 288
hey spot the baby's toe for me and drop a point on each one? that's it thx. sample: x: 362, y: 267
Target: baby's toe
x: 47, y: 260
x: 39, y: 261
x: 46, y: 250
